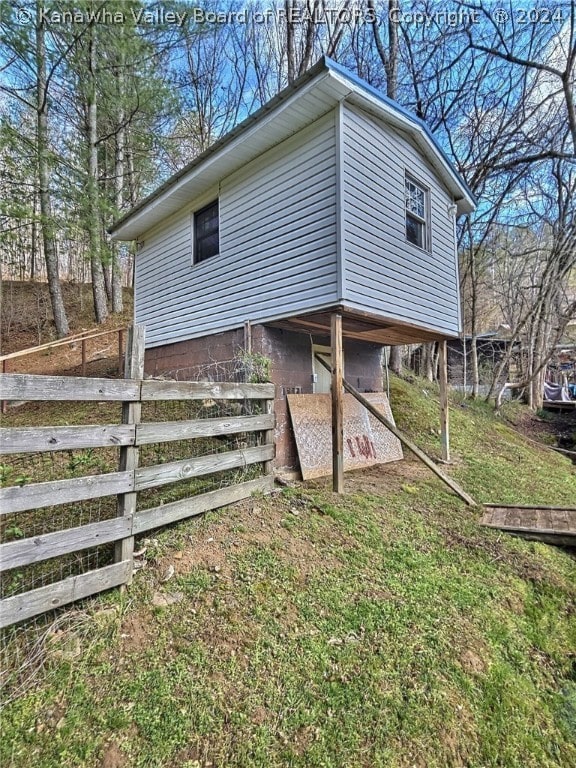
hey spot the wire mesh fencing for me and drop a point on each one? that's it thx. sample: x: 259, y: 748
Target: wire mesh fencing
x: 206, y: 415
x: 196, y: 447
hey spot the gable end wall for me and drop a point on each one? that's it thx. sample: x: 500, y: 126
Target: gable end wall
x: 385, y: 274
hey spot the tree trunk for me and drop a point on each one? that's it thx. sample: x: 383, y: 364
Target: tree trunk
x: 436, y: 360
x: 34, y: 243
x: 119, y: 164
x: 474, y: 366
x: 106, y: 269
x: 131, y: 173
x: 428, y: 361
x: 473, y: 319
x: 388, y: 56
x: 46, y: 220
x: 395, y: 359
x: 117, y: 303
x: 538, y: 390
x: 542, y: 341
x: 464, y: 363
x: 392, y: 68
x: 96, y: 268
x: 290, y: 42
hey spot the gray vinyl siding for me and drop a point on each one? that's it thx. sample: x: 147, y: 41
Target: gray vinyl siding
x: 277, y: 246
x: 383, y: 273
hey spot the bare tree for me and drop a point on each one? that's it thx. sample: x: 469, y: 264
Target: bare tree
x: 540, y: 301
x: 507, y: 142
x: 92, y: 208
x: 536, y: 169
x: 32, y: 75
x: 551, y: 60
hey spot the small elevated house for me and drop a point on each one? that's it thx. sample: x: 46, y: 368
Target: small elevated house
x: 331, y: 199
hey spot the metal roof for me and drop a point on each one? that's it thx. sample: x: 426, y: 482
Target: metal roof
x: 314, y: 94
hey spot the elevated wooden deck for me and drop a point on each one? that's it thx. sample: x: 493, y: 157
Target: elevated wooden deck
x: 559, y: 405
x: 552, y: 525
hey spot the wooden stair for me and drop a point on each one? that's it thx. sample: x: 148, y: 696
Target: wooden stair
x: 552, y: 525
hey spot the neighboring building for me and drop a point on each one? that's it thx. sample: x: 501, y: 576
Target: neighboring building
x: 330, y: 198
x: 490, y: 350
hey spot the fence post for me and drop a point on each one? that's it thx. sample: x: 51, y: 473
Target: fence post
x: 444, y: 412
x: 269, y: 435
x: 120, y: 346
x: 337, y: 404
x: 131, y: 414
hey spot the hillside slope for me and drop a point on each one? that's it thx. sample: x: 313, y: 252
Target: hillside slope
x: 379, y: 628
x: 26, y: 321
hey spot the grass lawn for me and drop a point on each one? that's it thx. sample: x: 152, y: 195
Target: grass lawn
x: 379, y: 628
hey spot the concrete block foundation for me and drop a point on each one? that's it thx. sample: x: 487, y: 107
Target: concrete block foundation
x: 217, y: 358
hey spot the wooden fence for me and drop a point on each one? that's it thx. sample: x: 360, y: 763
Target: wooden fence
x: 78, y: 339
x: 128, y: 481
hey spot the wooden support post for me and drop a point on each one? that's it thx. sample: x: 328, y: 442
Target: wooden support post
x: 131, y: 414
x: 120, y: 348
x: 248, y: 337
x: 404, y: 440
x: 83, y: 345
x: 337, y: 405
x: 444, y: 413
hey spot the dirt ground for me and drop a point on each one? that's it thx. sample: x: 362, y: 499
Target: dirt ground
x: 260, y: 522
x: 26, y: 322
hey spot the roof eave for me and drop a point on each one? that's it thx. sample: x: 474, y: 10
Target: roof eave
x: 138, y: 220
x: 120, y: 229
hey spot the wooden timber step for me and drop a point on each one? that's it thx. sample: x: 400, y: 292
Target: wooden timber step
x: 552, y: 525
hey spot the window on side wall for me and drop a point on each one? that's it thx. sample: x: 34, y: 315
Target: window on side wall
x: 206, y: 226
x: 417, y: 224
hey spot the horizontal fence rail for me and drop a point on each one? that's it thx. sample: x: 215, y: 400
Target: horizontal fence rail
x: 29, y: 604
x: 21, y: 386
x: 181, y: 390
x: 197, y: 505
x: 131, y: 479
x: 20, y: 498
x: 24, y: 552
x: 186, y: 430
x: 161, y: 474
x: 35, y: 439
x: 78, y: 340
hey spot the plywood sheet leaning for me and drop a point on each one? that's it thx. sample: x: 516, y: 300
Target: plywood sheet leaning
x: 366, y: 440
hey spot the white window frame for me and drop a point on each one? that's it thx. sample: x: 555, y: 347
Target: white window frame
x: 423, y: 220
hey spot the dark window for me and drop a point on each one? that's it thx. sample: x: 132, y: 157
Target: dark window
x: 206, y: 232
x: 416, y: 204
